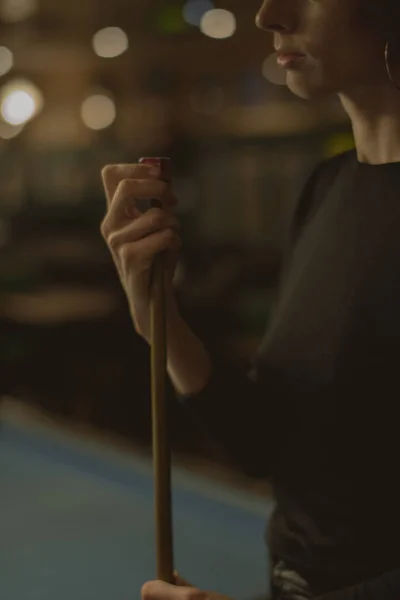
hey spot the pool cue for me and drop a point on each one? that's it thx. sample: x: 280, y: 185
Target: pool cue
x: 160, y: 428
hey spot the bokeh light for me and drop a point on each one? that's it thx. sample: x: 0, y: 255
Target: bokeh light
x: 7, y: 131
x: 218, y: 23
x: 272, y: 71
x: 6, y: 60
x: 170, y: 20
x: 110, y: 42
x: 20, y: 101
x: 194, y: 10
x: 98, y: 111
x: 17, y: 10
x: 18, y: 107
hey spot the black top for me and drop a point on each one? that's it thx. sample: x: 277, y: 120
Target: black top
x: 318, y: 411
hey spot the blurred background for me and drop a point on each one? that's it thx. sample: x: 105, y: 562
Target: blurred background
x: 86, y: 83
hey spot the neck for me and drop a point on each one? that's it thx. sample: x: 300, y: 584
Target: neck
x: 374, y: 112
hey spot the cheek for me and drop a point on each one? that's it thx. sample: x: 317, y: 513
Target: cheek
x: 340, y: 49
x: 328, y: 26
x: 341, y: 53
x: 356, y: 58
x: 343, y: 27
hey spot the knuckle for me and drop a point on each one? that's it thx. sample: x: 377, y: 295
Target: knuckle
x: 170, y: 236
x: 147, y: 590
x: 104, y: 228
x: 112, y: 241
x: 157, y: 218
x: 126, y: 253
x: 125, y: 187
x: 107, y: 171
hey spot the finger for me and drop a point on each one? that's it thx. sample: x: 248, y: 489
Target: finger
x: 151, y: 222
x: 137, y: 256
x: 124, y: 205
x: 180, y: 581
x: 130, y: 190
x: 159, y: 590
x: 113, y: 174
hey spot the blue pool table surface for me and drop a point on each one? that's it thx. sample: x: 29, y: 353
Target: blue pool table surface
x: 76, y: 522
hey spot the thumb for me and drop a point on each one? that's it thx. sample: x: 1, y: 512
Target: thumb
x: 180, y: 581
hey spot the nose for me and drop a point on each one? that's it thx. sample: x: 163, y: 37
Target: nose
x: 275, y: 16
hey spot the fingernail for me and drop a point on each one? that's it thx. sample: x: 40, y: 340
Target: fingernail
x: 154, y: 172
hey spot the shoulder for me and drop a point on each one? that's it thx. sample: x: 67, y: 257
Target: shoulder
x: 316, y: 188
x: 327, y: 170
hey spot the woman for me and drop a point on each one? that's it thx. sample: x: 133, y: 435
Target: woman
x: 318, y: 411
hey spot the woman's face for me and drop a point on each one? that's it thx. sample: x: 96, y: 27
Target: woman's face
x: 338, y: 38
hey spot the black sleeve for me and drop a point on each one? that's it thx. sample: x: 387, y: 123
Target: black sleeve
x: 385, y: 587
x: 235, y: 409
x: 232, y: 412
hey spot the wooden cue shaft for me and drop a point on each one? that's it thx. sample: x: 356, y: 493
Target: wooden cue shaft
x: 160, y: 426
x: 161, y: 444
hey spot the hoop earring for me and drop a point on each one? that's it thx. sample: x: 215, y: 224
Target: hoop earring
x: 388, y: 68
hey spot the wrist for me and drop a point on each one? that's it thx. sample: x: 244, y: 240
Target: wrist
x: 173, y: 321
x: 172, y: 313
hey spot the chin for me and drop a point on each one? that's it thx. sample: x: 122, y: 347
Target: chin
x: 306, y: 89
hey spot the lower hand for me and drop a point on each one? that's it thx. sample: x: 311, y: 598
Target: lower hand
x: 159, y: 590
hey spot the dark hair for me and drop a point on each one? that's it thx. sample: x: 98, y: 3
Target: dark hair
x: 386, y: 13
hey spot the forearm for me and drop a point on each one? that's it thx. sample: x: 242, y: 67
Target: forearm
x: 227, y: 406
x: 188, y: 363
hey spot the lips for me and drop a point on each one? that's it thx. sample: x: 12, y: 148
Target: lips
x: 282, y: 54
x: 285, y: 58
